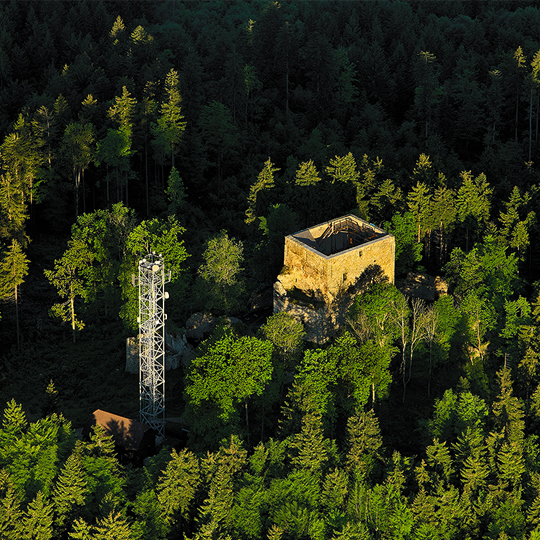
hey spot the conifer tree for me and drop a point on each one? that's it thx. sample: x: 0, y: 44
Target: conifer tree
x: 219, y: 135
x: 114, y: 525
x: 21, y: 156
x: 309, y: 448
x: 176, y: 192
x: 473, y: 203
x: 77, y: 149
x: 419, y: 202
x: 508, y: 410
x: 14, y: 424
x: 443, y: 218
x: 10, y: 508
x: 170, y: 124
x: 364, y: 441
x: 427, y: 91
x: 13, y: 269
x: 14, y: 211
x: 177, y: 487
x: 37, y: 521
x: 70, y: 491
x: 222, y: 470
x: 265, y: 181
x: 68, y: 276
x: 305, y: 181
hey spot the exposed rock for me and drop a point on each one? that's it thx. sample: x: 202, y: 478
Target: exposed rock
x: 441, y: 286
x: 200, y: 325
x: 178, y: 350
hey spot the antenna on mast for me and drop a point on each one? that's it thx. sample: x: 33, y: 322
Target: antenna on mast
x: 151, y: 321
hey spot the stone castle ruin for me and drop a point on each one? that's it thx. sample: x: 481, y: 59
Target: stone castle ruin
x: 326, y: 266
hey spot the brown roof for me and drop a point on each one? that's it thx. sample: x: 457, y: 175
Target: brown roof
x: 125, y: 432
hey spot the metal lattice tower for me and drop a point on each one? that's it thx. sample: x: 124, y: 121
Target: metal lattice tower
x: 151, y: 321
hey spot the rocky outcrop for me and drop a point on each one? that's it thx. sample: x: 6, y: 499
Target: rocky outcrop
x: 200, y: 326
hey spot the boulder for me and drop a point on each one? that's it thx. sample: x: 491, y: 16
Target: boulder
x: 199, y: 326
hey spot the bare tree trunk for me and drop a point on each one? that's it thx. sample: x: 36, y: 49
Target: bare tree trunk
x: 73, y: 317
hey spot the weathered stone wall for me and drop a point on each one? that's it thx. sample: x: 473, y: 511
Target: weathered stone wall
x: 327, y: 282
x: 306, y: 268
x: 326, y: 276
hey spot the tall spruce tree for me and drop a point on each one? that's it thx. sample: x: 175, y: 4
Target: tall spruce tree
x: 13, y: 270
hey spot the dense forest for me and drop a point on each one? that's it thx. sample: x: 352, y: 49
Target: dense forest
x: 206, y: 131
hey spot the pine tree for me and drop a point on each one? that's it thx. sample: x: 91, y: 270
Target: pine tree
x: 443, y: 218
x: 176, y: 192
x: 309, y: 448
x: 70, y: 490
x: 387, y: 199
x: 14, y: 424
x: 219, y: 135
x: 508, y: 410
x: 115, y: 525
x: 343, y: 169
x: 265, y: 182
x: 473, y: 203
x: 10, y: 508
x: 419, y: 202
x: 14, y: 211
x: 364, y: 442
x: 37, y: 522
x: 177, y: 487
x: 13, y: 269
x: 307, y: 174
x: 69, y: 279
x: 518, y: 68
x: 427, y: 91
x: 170, y: 124
x: 78, y: 151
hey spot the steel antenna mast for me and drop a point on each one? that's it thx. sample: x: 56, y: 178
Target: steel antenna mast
x: 151, y: 321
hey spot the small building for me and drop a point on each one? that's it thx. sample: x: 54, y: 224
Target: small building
x: 133, y: 440
x: 326, y: 265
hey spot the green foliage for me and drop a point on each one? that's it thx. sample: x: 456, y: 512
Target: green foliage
x: 13, y: 270
x: 307, y: 174
x: 151, y: 236
x: 364, y: 443
x: 10, y: 508
x: 37, y: 521
x: 220, y: 273
x: 230, y: 372
x: 176, y: 192
x: 343, y: 169
x: 265, y: 182
x: 408, y: 248
x: 473, y: 203
x: 177, y: 487
x: 68, y: 277
x: 170, y: 125
x: 486, y: 270
x: 286, y: 334
x: 70, y: 491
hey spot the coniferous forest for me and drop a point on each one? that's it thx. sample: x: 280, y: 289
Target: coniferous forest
x: 207, y: 131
